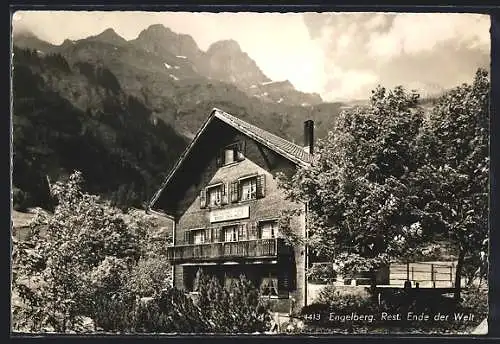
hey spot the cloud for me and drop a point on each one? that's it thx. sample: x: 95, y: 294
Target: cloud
x: 417, y: 50
x: 339, y: 55
x: 412, y: 33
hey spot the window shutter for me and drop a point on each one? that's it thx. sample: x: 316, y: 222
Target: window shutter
x: 242, y: 232
x: 203, y: 198
x: 216, y: 234
x: 283, y: 283
x: 220, y: 158
x: 187, y: 237
x: 225, y: 196
x: 235, y: 190
x: 261, y: 185
x: 252, y: 230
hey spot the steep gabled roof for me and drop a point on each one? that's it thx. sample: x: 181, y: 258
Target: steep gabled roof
x: 285, y: 148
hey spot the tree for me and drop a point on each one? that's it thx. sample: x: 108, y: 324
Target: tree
x: 454, y: 175
x: 388, y: 179
x: 86, y: 249
x: 361, y: 211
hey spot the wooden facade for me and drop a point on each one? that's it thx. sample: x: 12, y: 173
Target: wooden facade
x: 224, y: 199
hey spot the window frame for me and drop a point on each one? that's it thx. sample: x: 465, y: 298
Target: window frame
x: 209, y: 189
x: 274, y: 228
x: 272, y: 286
x: 241, y: 181
x: 234, y: 235
x: 238, y: 149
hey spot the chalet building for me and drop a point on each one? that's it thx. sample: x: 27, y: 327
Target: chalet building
x: 224, y: 200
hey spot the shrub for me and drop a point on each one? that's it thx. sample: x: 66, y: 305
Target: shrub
x: 236, y: 309
x: 20, y: 199
x: 331, y: 301
x: 169, y: 311
x: 322, y: 273
x: 148, y: 276
x: 113, y: 313
x: 475, y: 301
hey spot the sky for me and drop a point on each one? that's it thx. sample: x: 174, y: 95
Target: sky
x: 341, y: 56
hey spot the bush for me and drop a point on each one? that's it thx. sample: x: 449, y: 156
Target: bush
x: 148, y: 276
x: 20, y: 200
x: 113, y: 313
x: 170, y: 311
x: 475, y: 301
x: 399, y: 301
x: 322, y: 273
x: 236, y: 309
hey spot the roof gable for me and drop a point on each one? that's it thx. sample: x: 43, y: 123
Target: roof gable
x: 285, y: 148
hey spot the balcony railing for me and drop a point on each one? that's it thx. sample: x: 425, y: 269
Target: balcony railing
x: 260, y: 248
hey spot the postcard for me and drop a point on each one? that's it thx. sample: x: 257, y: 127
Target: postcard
x: 250, y: 173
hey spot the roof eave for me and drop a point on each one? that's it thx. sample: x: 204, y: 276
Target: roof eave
x: 184, y: 154
x: 180, y: 160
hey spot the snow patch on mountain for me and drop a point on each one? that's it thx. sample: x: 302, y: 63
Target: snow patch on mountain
x: 174, y: 77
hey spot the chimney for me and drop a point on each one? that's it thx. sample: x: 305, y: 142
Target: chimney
x: 309, y: 136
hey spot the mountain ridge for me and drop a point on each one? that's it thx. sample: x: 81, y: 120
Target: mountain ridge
x: 212, y: 64
x: 133, y: 110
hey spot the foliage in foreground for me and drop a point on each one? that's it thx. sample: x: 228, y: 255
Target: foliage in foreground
x: 318, y: 315
x: 389, y: 180
x: 235, y: 309
x: 94, y: 262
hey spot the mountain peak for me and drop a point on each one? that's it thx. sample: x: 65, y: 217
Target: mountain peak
x: 109, y: 36
x: 229, y: 45
x: 22, y: 32
x: 162, y: 41
x: 156, y: 30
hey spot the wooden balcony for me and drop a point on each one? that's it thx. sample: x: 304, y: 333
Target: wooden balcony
x: 247, y: 249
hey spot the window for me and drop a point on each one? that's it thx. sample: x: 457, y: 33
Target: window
x: 248, y: 188
x: 215, y: 195
x: 269, y: 286
x: 201, y: 236
x: 231, y: 153
x: 268, y: 229
x: 231, y: 233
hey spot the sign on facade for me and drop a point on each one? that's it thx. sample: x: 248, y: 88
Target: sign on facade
x: 235, y: 213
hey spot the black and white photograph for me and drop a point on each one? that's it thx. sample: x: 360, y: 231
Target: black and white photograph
x: 246, y: 173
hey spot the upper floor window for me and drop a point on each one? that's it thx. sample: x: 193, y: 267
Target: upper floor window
x: 268, y: 229
x: 231, y: 153
x: 200, y: 236
x: 248, y: 188
x: 231, y: 233
x: 213, y: 195
x: 243, y: 189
